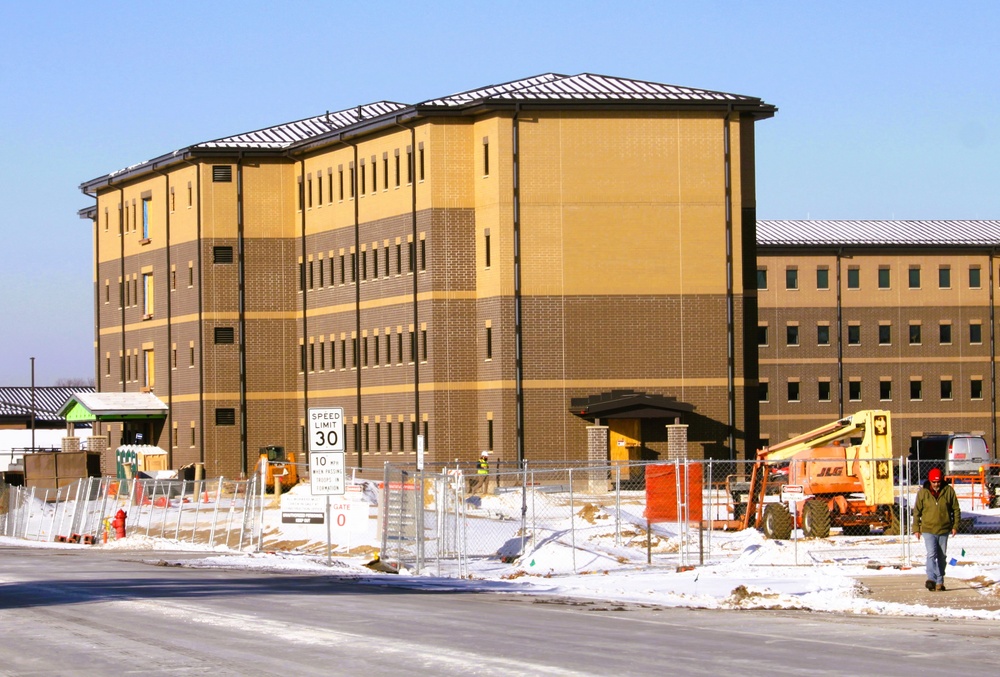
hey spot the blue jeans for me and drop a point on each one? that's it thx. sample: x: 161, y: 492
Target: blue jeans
x: 937, y: 548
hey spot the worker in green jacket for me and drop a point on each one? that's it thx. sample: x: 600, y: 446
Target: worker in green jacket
x: 936, y: 515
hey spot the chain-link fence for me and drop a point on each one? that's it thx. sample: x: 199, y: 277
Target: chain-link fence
x: 673, y: 514
x: 213, y: 513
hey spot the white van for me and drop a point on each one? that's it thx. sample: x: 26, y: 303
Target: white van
x: 959, y: 454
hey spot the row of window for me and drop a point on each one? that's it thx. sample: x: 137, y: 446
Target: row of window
x: 363, y: 179
x: 319, y: 273
x: 364, y: 351
x: 854, y: 391
x: 914, y: 334
x: 884, y: 277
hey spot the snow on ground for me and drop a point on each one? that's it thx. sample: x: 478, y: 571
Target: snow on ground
x: 745, y: 571
x: 763, y: 576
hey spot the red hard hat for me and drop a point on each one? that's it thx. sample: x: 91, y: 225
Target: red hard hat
x: 934, y: 475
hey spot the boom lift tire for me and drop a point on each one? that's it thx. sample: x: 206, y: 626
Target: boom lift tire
x: 777, y: 521
x: 815, y: 519
x: 894, y: 528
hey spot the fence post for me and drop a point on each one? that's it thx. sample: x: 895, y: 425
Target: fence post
x: 618, y: 506
x: 572, y: 519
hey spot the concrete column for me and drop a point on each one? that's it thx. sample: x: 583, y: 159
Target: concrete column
x: 677, y: 442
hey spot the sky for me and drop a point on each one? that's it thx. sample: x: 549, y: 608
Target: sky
x: 884, y: 108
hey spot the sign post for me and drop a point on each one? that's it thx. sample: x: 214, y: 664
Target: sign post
x: 326, y: 458
x: 792, y: 494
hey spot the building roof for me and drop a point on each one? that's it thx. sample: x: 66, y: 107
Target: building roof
x: 587, y: 87
x: 550, y: 89
x: 113, y: 406
x: 796, y: 233
x: 15, y: 401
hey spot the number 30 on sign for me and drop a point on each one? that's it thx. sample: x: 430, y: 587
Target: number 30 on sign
x: 326, y: 429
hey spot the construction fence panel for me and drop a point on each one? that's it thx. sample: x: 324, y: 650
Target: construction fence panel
x: 216, y: 513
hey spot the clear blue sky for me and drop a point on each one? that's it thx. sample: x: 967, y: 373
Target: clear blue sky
x: 886, y: 109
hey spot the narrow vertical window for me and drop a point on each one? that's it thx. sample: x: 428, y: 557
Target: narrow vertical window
x: 486, y: 156
x: 489, y: 343
x: 409, y: 165
x: 145, y: 218
x: 397, y: 168
x: 399, y: 259
x: 423, y: 345
x: 340, y: 183
x: 423, y: 255
x: 350, y: 180
x: 147, y: 295
x: 486, y: 247
x: 362, y: 182
x: 421, y: 160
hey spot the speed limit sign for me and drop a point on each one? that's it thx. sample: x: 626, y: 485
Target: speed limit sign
x: 326, y: 429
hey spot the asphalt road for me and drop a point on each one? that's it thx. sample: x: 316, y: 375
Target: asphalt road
x: 91, y: 612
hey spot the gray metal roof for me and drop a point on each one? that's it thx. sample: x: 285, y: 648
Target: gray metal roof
x: 587, y: 87
x: 284, y: 135
x: 548, y: 88
x: 875, y: 233
x: 15, y: 402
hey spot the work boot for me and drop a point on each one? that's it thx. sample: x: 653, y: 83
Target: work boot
x: 930, y: 585
x: 940, y: 587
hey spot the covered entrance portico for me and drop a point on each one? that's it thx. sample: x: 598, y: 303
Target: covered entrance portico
x: 630, y: 427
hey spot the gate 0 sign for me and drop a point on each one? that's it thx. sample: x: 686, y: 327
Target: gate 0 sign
x: 326, y: 429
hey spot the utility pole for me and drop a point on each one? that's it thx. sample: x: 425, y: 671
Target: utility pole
x: 32, y: 404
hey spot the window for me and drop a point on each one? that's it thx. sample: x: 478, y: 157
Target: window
x: 329, y: 184
x: 225, y: 416
x: 823, y: 393
x: 364, y: 184
x: 762, y: 335
x: 222, y: 254
x: 145, y: 217
x: 975, y: 332
x: 385, y: 252
x: 854, y: 277
x: 486, y: 156
x: 489, y: 343
x: 225, y: 335
x: 399, y: 259
x: 413, y: 346
x: 397, y: 167
x: 149, y: 371
x: 364, y: 351
x: 822, y: 278
x: 762, y: 278
x: 854, y: 335
x: 423, y: 345
x: 420, y: 156
x: 486, y: 248
x: 350, y: 180
x: 489, y: 434
x: 884, y: 334
x: 793, y: 391
x: 914, y: 277
x: 340, y: 183
x: 147, y: 295
x: 791, y: 278
x: 974, y: 277
x: 190, y: 274
x: 191, y: 354
x: 423, y: 255
x: 975, y: 388
x: 944, y: 277
x: 885, y: 390
x: 946, y: 393
x: 385, y: 171
x: 354, y: 352
x: 763, y: 392
x: 222, y: 173
x: 916, y: 389
x: 309, y: 190
x: 914, y: 334
x: 944, y: 333
x: 409, y: 164
x: 854, y: 391
x: 792, y: 335
x: 823, y: 335
x: 374, y: 175
x: 883, y: 277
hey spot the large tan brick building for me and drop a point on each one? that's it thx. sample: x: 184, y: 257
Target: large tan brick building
x: 503, y: 269
x: 897, y: 315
